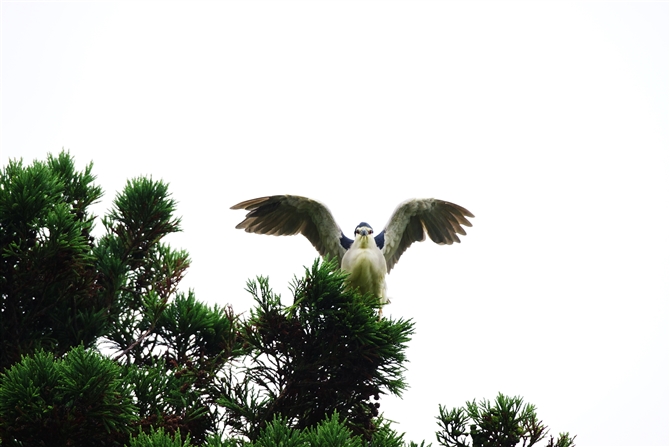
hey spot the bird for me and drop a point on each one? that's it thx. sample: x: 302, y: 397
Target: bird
x: 367, y: 258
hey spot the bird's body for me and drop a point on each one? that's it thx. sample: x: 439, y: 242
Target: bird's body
x: 366, y: 258
x: 366, y: 266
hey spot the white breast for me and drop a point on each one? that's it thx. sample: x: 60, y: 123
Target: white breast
x: 367, y: 267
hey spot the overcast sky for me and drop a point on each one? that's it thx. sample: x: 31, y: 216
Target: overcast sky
x: 547, y: 120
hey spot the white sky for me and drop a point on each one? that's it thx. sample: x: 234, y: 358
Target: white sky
x: 547, y: 120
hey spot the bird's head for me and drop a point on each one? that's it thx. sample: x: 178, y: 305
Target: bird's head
x: 363, y: 229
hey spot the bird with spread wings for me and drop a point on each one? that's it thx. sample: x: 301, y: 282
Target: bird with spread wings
x: 367, y: 258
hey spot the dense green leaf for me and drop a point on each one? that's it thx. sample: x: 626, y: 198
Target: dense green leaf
x: 508, y: 422
x: 78, y: 400
x: 327, y: 352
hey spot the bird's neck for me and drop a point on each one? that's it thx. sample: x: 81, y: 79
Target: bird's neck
x: 364, y: 242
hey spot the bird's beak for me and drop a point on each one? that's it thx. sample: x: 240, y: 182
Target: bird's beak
x: 364, y: 232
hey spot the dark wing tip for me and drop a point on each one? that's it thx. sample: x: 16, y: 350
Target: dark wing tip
x: 249, y: 204
x: 466, y: 212
x: 463, y: 211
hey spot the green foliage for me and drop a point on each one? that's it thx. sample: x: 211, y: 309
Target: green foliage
x: 327, y: 352
x: 506, y: 423
x: 166, y: 399
x: 48, y: 281
x: 188, y: 330
x: 385, y: 436
x: 328, y: 432
x: 139, y: 273
x: 159, y: 438
x: 178, y: 390
x: 77, y: 400
x: 332, y: 431
x: 60, y: 288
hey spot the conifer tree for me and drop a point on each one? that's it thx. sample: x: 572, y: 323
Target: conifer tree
x: 48, y: 279
x: 505, y: 423
x: 329, y: 352
x: 80, y: 399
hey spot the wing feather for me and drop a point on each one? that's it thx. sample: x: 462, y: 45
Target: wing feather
x: 413, y: 219
x: 288, y: 215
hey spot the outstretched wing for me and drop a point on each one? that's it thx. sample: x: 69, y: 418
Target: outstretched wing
x: 412, y: 219
x: 288, y: 215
